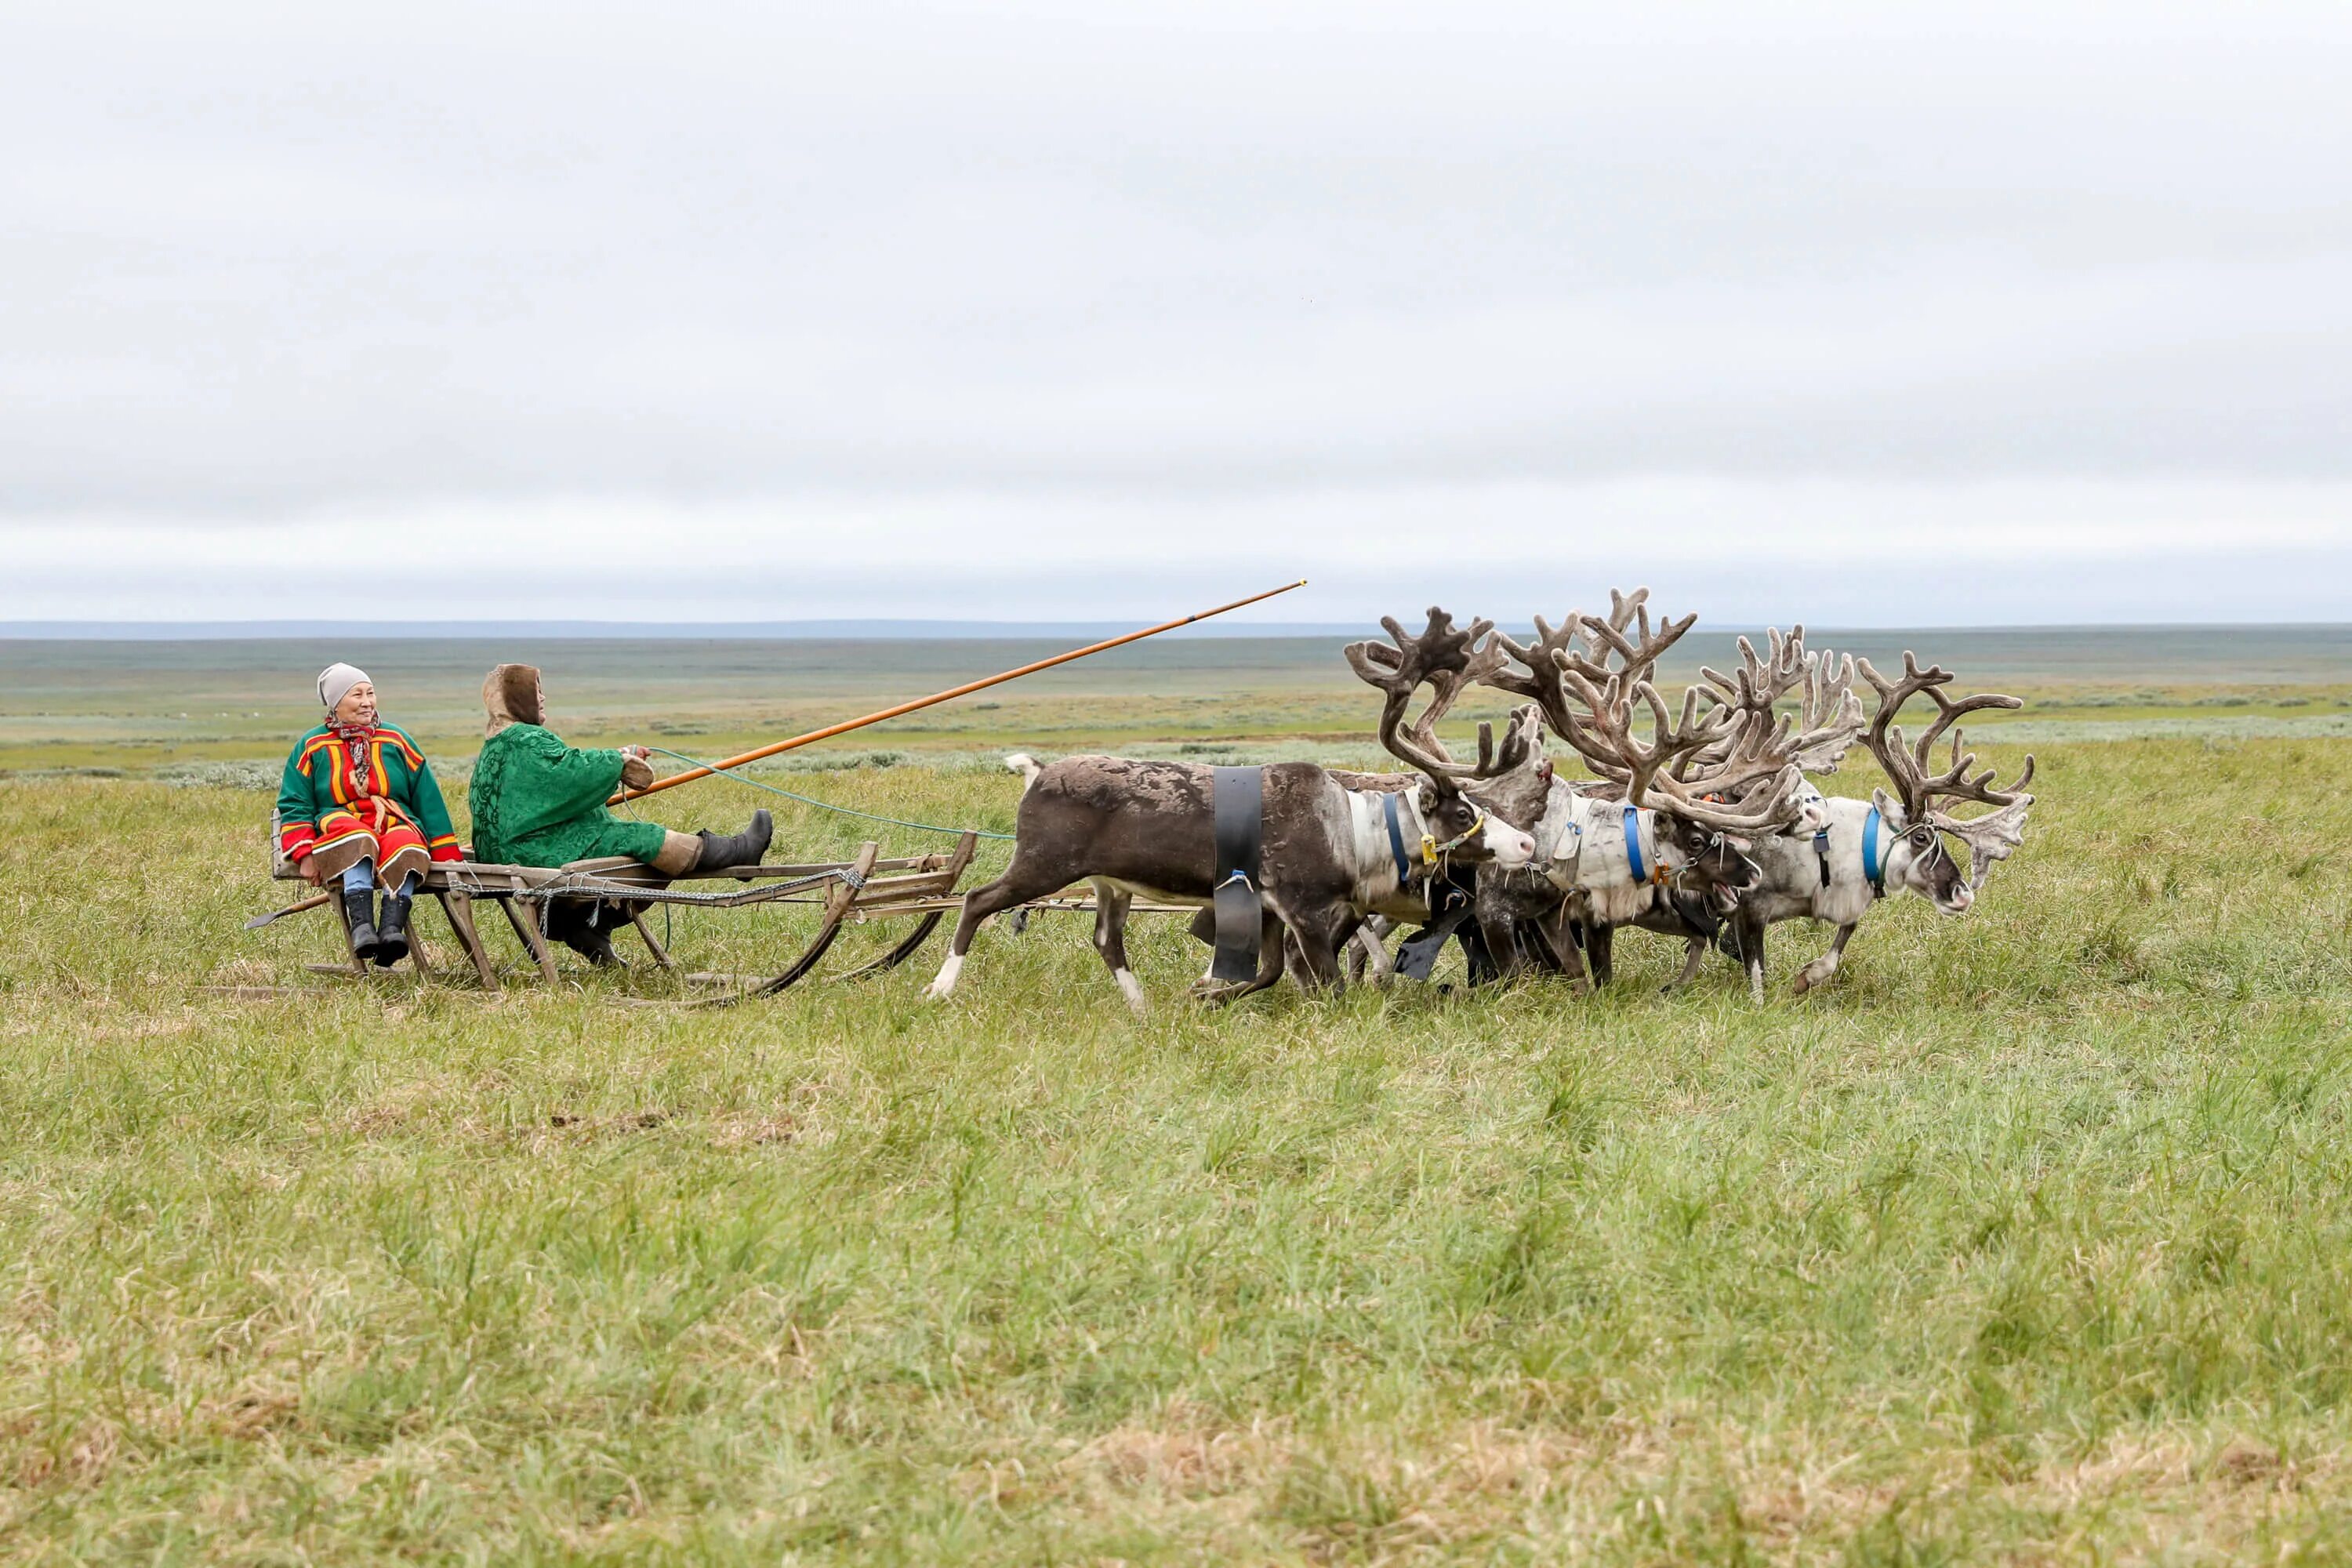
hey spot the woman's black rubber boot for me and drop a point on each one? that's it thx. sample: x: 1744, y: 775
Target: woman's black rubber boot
x: 745, y: 848
x: 359, y: 910
x: 392, y: 932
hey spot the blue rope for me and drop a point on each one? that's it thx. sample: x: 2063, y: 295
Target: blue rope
x: 826, y: 805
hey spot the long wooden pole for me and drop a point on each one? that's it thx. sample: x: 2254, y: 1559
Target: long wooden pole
x: 964, y: 690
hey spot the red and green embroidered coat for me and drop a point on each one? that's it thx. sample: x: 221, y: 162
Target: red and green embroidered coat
x: 334, y: 779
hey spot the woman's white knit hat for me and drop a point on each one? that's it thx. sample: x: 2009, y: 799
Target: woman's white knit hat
x: 335, y: 683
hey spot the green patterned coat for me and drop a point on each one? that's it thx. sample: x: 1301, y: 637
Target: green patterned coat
x: 538, y: 802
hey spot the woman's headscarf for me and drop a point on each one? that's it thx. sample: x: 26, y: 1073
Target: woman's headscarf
x: 335, y: 683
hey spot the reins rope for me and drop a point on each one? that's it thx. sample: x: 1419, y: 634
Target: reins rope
x: 828, y: 805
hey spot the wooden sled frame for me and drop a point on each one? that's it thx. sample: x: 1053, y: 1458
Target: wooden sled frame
x: 867, y: 887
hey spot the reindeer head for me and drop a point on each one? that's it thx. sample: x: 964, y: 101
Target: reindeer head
x: 1919, y: 857
x: 1914, y: 855
x: 1709, y: 859
x: 1448, y: 660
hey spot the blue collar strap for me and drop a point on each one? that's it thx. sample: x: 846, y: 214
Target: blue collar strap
x: 1872, y: 866
x: 1634, y: 843
x: 1396, y: 839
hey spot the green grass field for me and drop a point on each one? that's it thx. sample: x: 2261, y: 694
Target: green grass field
x: 2028, y: 1240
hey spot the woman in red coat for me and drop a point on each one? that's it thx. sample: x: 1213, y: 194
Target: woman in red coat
x: 359, y: 804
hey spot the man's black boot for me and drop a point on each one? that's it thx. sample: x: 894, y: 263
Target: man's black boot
x: 359, y: 910
x: 581, y: 924
x: 745, y: 848
x: 392, y: 932
x: 594, y: 946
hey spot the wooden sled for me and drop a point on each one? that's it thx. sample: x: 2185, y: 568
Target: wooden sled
x: 865, y: 888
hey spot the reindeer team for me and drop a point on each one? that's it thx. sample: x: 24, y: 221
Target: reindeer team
x: 1708, y: 829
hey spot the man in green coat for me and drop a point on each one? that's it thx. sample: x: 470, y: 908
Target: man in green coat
x: 538, y: 802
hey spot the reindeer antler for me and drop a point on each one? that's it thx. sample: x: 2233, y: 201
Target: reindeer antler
x: 1730, y: 767
x: 1555, y: 651
x: 1989, y: 837
x: 1640, y: 652
x: 1829, y: 717
x: 1540, y: 683
x: 1447, y: 660
x: 1830, y: 720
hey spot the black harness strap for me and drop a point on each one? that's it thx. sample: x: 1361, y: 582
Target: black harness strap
x: 1238, y: 795
x: 1451, y: 906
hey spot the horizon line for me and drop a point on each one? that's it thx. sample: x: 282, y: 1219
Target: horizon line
x: 907, y: 630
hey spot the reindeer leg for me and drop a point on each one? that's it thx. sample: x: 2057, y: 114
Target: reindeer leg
x: 1017, y: 886
x: 1556, y: 929
x: 1693, y: 953
x: 1819, y: 971
x: 1111, y: 904
x: 1503, y: 948
x: 1272, y: 934
x: 1319, y: 938
x: 1597, y: 940
x: 1751, y: 951
x: 1369, y: 951
x: 1273, y: 937
x: 1496, y: 924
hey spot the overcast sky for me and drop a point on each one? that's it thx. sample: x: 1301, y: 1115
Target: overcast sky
x: 1867, y: 315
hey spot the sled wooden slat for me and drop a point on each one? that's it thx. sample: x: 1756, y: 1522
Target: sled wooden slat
x: 527, y: 931
x: 459, y: 910
x: 653, y: 943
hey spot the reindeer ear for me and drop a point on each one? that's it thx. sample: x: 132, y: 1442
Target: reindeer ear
x: 1889, y: 808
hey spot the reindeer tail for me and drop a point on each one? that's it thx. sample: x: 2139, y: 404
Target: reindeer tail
x: 1025, y: 764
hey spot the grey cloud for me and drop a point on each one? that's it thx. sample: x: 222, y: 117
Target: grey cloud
x: 259, y: 263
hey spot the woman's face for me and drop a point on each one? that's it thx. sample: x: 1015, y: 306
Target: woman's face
x: 358, y: 706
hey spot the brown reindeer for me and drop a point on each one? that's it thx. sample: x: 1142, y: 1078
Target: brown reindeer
x: 1326, y: 854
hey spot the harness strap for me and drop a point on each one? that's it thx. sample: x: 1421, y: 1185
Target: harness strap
x: 1642, y: 870
x: 1237, y: 801
x: 1822, y: 850
x: 1872, y: 866
x: 1450, y: 911
x: 1396, y: 839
